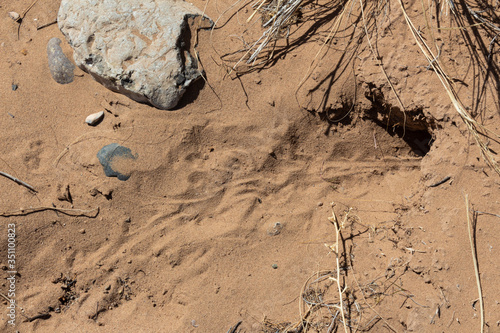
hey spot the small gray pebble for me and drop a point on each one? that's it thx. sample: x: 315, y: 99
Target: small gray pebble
x: 60, y: 66
x: 274, y: 229
x: 274, y: 266
x: 14, y: 87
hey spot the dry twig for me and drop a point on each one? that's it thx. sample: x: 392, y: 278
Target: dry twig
x: 335, y: 249
x: 470, y: 228
x: 20, y: 182
x: 92, y: 213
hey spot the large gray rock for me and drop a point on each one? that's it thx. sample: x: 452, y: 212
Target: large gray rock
x: 139, y: 48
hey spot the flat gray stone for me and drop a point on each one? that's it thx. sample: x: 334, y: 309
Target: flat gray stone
x: 114, y: 160
x: 139, y: 48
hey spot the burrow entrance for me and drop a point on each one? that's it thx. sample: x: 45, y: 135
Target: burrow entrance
x: 412, y: 126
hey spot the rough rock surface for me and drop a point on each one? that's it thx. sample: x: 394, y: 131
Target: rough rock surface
x: 139, y: 48
x: 60, y: 67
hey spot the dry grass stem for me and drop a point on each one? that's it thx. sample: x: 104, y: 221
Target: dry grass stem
x: 278, y: 16
x: 335, y: 249
x: 92, y: 213
x: 18, y: 181
x: 471, y: 227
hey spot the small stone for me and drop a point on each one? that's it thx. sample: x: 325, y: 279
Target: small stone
x: 95, y: 118
x: 274, y: 266
x: 108, y: 287
x: 14, y: 87
x: 15, y: 16
x: 274, y: 229
x: 82, y: 231
x: 320, y: 204
x: 60, y: 67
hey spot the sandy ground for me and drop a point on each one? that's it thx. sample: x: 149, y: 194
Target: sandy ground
x: 225, y: 216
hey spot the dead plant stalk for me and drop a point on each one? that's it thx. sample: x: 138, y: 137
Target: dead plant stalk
x: 470, y: 228
x: 335, y: 249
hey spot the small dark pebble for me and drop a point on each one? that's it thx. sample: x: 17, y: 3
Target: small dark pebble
x: 14, y: 87
x: 274, y: 266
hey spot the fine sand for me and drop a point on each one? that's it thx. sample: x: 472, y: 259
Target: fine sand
x: 225, y: 215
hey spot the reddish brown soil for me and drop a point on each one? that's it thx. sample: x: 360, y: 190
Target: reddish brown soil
x: 188, y: 243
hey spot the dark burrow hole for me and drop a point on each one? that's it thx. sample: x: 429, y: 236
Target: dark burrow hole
x: 417, y: 135
x: 419, y: 141
x: 411, y: 126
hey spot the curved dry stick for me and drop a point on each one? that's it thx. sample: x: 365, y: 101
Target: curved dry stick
x: 65, y: 211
